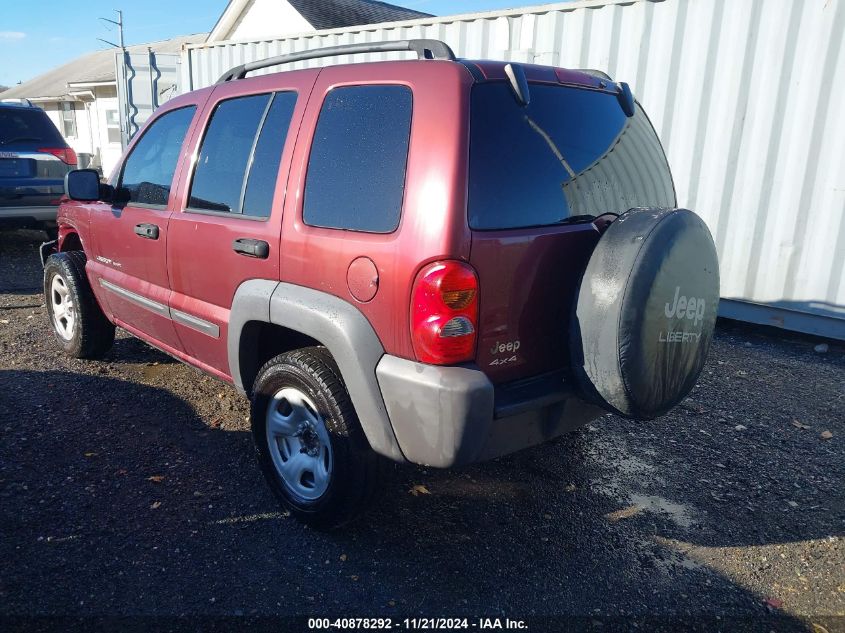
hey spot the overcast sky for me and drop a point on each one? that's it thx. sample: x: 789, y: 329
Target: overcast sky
x: 33, y: 41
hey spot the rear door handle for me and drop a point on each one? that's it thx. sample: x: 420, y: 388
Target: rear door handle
x: 251, y: 248
x: 149, y: 231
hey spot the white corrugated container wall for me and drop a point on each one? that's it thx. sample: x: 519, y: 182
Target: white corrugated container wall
x: 746, y: 97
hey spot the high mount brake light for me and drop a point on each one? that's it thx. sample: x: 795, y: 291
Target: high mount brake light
x: 444, y: 313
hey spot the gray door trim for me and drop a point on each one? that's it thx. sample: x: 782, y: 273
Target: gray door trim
x: 183, y: 318
x: 195, y: 323
x: 153, y: 306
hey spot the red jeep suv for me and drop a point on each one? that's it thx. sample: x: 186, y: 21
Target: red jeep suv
x: 434, y: 260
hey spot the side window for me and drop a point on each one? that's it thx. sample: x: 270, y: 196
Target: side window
x: 148, y: 171
x: 240, y: 153
x: 356, y: 171
x: 224, y: 154
x: 261, y: 182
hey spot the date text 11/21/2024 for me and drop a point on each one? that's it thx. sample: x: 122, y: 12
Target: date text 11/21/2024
x: 431, y: 624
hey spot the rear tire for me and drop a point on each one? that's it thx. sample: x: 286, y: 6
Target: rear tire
x: 309, y: 442
x: 79, y: 325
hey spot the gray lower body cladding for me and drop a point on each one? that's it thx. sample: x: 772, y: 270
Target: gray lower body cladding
x: 335, y: 323
x: 449, y: 416
x: 430, y: 415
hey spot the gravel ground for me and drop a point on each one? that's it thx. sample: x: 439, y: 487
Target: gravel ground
x: 128, y: 487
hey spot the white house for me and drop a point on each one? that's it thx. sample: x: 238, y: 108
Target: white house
x: 257, y: 19
x: 81, y: 99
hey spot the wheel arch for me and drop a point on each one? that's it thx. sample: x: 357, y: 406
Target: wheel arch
x: 69, y: 240
x: 292, y: 316
x: 259, y: 342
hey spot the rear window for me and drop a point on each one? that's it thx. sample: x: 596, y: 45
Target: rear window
x: 28, y: 125
x: 570, y: 152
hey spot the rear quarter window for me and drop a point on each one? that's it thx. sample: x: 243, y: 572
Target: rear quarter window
x: 570, y: 152
x: 356, y: 170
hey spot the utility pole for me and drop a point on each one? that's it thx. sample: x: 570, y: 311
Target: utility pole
x: 123, y: 100
x: 119, y: 24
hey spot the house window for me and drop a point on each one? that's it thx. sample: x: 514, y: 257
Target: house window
x: 113, y: 126
x: 68, y: 119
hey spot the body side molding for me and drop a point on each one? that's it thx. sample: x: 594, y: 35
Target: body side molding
x: 188, y: 320
x: 139, y: 300
x: 195, y: 323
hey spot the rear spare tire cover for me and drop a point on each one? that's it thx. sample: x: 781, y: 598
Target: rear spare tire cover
x: 645, y: 312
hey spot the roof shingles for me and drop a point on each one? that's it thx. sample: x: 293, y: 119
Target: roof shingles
x: 341, y: 13
x: 99, y: 66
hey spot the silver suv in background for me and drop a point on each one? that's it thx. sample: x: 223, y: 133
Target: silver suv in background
x: 34, y: 159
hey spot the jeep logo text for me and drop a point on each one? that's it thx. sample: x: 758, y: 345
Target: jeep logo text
x: 501, y: 348
x: 690, y: 308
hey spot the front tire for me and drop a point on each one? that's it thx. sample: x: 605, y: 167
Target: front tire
x: 79, y: 325
x: 310, y: 445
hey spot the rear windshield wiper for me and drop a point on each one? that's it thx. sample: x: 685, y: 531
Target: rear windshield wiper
x: 577, y: 219
x: 20, y: 138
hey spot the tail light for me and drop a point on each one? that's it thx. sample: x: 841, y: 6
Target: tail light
x: 444, y: 313
x: 64, y: 154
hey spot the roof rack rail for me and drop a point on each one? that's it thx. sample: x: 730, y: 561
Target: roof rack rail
x: 425, y: 49
x: 18, y: 101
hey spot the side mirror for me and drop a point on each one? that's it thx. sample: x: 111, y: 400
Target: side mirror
x: 84, y: 185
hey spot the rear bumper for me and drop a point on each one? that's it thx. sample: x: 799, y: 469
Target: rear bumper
x: 448, y: 416
x: 34, y: 214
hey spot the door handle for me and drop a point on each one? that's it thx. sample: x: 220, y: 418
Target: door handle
x: 251, y: 248
x: 149, y: 231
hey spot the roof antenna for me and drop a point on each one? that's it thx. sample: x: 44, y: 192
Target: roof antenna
x: 519, y: 84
